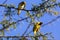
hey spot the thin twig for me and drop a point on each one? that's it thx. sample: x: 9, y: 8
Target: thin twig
x: 51, y: 21
x: 4, y: 2
x: 26, y: 29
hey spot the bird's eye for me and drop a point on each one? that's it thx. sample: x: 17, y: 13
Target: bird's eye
x: 40, y: 23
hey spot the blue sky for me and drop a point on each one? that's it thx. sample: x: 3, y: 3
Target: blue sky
x: 53, y: 27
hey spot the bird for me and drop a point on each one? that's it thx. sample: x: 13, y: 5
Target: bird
x: 21, y: 5
x: 36, y: 27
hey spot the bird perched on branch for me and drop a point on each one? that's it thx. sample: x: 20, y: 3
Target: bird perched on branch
x: 36, y: 27
x: 21, y: 6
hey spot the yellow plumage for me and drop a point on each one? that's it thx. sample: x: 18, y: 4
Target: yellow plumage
x: 36, y: 27
x: 21, y: 6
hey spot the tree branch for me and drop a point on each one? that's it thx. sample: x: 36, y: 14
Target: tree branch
x: 51, y: 21
x: 13, y: 23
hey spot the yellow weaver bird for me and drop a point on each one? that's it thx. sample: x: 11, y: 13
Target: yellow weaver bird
x: 37, y: 27
x: 21, y: 6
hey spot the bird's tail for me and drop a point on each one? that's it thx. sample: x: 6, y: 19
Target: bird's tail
x: 19, y: 11
x: 34, y: 33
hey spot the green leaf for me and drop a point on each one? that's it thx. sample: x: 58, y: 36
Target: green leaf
x: 28, y: 13
x: 14, y: 26
x: 5, y: 22
x: 36, y: 38
x: 39, y: 15
x: 53, y: 0
x: 55, y: 13
x: 12, y: 5
x: 24, y: 38
x: 32, y: 38
x: 44, y: 37
x: 7, y: 29
x: 52, y: 5
x: 32, y: 19
x: 1, y: 33
x: 59, y: 4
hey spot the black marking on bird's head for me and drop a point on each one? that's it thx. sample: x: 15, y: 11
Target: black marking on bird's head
x: 23, y: 2
x: 40, y: 23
